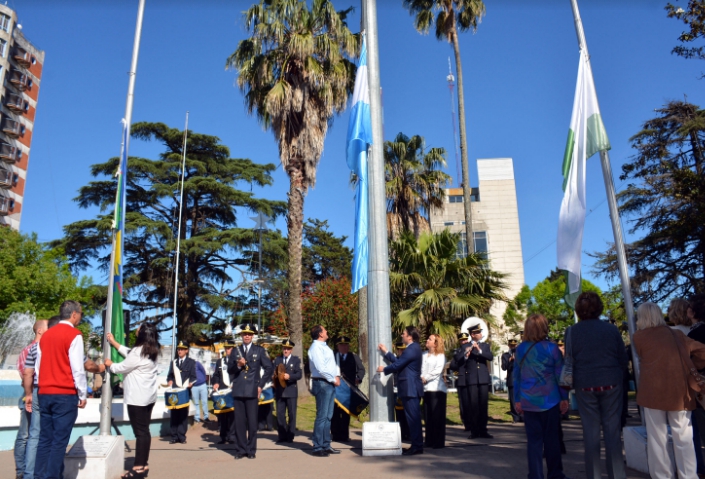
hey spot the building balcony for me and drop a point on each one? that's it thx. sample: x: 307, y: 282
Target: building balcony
x: 7, y: 179
x: 20, y: 80
x: 11, y: 127
x: 10, y: 154
x: 16, y: 103
x: 6, y: 205
x: 22, y: 57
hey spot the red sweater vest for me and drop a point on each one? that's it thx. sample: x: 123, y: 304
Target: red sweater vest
x: 55, y: 376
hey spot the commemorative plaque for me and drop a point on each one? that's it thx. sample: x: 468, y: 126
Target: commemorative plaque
x: 381, y: 439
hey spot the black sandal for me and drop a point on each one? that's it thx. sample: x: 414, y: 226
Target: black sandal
x: 132, y: 474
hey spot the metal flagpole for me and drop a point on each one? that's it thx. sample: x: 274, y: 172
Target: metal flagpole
x: 614, y: 211
x: 379, y: 315
x: 178, y: 239
x: 107, y: 392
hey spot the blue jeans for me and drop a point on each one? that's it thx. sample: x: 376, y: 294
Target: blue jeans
x: 58, y: 415
x: 199, y: 396
x: 21, y: 440
x: 602, y: 409
x: 33, y: 441
x: 324, y: 392
x: 543, y: 434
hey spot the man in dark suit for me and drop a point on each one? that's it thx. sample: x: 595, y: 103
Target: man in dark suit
x: 475, y: 359
x: 460, y: 385
x: 186, y: 369
x: 221, y: 380
x: 286, y: 394
x: 409, y: 385
x: 508, y: 365
x: 352, y: 369
x: 250, y: 368
x: 398, y: 406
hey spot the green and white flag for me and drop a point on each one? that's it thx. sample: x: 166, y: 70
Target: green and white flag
x: 586, y: 137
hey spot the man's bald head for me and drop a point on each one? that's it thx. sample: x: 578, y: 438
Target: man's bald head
x: 40, y: 327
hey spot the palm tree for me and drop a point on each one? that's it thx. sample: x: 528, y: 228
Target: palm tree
x: 434, y: 288
x: 414, y: 183
x: 453, y: 16
x: 295, y: 73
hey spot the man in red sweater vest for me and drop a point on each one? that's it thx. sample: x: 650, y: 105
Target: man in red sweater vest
x: 62, y: 389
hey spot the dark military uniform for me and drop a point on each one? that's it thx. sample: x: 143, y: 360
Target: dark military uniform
x: 186, y: 368
x: 508, y: 365
x: 460, y: 385
x: 226, y: 420
x: 286, y: 398
x: 476, y: 375
x: 352, y: 369
x: 244, y: 387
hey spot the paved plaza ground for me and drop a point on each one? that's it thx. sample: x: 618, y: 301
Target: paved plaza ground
x: 503, y: 457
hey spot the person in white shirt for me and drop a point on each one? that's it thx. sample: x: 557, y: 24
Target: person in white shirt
x: 325, y: 377
x: 139, y: 370
x: 435, y: 392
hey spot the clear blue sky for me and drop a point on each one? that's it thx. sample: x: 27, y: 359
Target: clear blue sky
x: 520, y: 70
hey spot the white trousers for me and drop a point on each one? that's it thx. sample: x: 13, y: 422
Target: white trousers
x: 660, y: 465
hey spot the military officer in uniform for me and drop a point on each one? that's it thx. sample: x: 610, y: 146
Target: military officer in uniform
x: 185, y: 367
x: 250, y: 368
x: 221, y: 380
x: 286, y: 392
x: 508, y: 365
x: 475, y: 358
x: 460, y: 386
x: 352, y: 369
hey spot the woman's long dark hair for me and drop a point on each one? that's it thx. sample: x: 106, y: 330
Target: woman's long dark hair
x: 147, y: 338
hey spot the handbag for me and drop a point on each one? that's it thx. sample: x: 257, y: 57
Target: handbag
x: 695, y: 380
x: 566, y: 379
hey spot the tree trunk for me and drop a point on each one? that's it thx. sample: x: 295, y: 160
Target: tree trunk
x: 463, y: 143
x: 362, y: 338
x: 295, y: 226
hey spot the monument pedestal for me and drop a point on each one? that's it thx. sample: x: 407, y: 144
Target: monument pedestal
x: 381, y: 439
x: 95, y: 457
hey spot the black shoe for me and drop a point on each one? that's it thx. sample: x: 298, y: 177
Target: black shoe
x: 330, y: 450
x: 251, y: 456
x: 411, y: 452
x: 486, y: 435
x: 222, y: 441
x: 320, y: 453
x: 183, y: 442
x: 173, y: 441
x: 280, y: 441
x: 473, y: 436
x: 239, y: 456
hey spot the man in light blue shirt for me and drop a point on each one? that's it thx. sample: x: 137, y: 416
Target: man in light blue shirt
x: 326, y: 377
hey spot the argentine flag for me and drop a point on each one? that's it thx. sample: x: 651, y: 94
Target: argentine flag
x: 359, y: 138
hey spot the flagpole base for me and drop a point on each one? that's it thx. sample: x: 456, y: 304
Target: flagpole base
x: 381, y: 439
x: 95, y: 457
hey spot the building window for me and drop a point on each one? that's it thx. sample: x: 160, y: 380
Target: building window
x: 481, y: 245
x: 455, y: 198
x: 3, y: 47
x: 448, y: 223
x: 474, y: 197
x: 5, y: 22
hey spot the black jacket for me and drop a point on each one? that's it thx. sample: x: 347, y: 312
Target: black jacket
x: 508, y: 366
x: 456, y: 365
x: 187, y: 371
x: 474, y: 368
x: 218, y: 374
x: 249, y: 378
x: 351, y: 368
x: 293, y: 367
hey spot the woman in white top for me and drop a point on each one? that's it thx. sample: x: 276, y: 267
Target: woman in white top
x: 435, y: 392
x: 139, y: 370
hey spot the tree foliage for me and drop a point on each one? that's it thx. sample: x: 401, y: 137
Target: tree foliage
x: 665, y: 204
x: 296, y: 73
x: 211, y: 241
x: 694, y: 19
x: 324, y: 254
x: 414, y: 183
x: 37, y: 279
x: 434, y: 289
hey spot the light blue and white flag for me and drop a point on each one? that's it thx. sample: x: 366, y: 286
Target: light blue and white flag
x: 359, y: 138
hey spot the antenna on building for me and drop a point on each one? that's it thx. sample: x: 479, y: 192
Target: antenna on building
x: 19, y: 26
x: 451, y: 88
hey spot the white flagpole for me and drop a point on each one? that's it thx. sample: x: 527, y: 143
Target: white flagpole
x: 107, y: 392
x: 178, y: 240
x: 614, y: 210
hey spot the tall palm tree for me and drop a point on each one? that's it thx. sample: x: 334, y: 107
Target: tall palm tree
x: 453, y: 16
x: 414, y: 183
x: 434, y: 288
x: 295, y: 73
